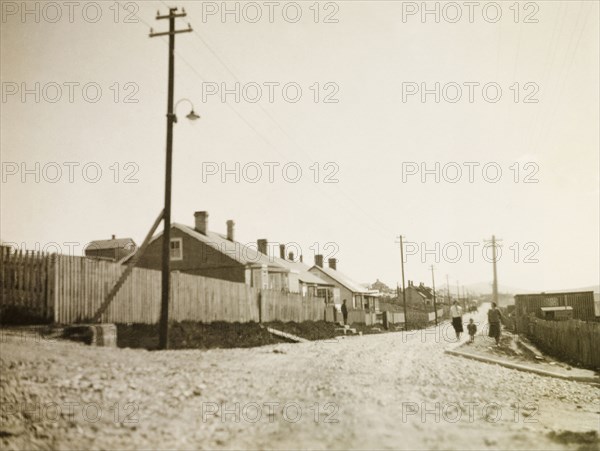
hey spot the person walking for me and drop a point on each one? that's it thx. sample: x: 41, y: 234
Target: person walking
x: 472, y: 329
x: 345, y: 312
x: 456, y: 313
x: 494, y: 317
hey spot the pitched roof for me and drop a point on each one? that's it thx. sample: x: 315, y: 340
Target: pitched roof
x: 303, y: 272
x: 117, y: 243
x: 239, y: 252
x: 345, y: 280
x: 422, y: 290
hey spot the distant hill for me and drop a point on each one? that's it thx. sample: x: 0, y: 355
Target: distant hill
x: 486, y: 288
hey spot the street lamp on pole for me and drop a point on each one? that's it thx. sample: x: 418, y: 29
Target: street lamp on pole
x: 192, y: 116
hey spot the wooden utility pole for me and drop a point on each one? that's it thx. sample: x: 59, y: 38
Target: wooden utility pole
x: 495, y: 281
x: 403, y: 286
x: 163, y: 330
x: 433, y: 289
x: 457, y: 292
x: 448, y: 290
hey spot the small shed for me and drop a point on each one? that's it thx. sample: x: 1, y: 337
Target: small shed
x: 113, y: 250
x: 582, y: 303
x: 557, y: 313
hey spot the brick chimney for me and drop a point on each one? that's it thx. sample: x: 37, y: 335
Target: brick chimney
x: 333, y: 263
x: 291, y: 256
x: 300, y: 258
x: 230, y: 229
x: 201, y: 224
x: 282, y: 251
x: 113, y: 237
x: 262, y: 246
x: 319, y: 260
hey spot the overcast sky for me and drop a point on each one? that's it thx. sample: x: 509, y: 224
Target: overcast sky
x: 358, y: 122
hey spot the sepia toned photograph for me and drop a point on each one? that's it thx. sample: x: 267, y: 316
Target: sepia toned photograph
x: 300, y: 225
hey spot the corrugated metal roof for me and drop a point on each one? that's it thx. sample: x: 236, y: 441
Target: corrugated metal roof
x: 117, y: 243
x: 303, y: 272
x: 239, y: 252
x: 345, y: 280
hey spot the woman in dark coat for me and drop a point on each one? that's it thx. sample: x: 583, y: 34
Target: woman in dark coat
x: 456, y: 313
x: 494, y: 317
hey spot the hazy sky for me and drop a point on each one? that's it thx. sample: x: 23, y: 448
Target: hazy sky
x: 374, y: 141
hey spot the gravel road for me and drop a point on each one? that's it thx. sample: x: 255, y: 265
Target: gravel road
x: 395, y: 390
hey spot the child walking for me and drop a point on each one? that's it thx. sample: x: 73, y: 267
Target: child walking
x: 472, y: 328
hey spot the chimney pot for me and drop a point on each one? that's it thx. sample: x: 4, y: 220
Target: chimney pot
x: 262, y: 246
x: 201, y: 224
x: 319, y: 260
x: 230, y: 229
x: 333, y: 263
x: 282, y: 251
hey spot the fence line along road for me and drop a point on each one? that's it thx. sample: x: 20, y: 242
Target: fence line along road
x: 69, y: 289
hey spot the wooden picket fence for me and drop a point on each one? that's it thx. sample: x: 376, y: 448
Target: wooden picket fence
x: 196, y: 298
x: 81, y: 284
x: 26, y: 284
x: 275, y: 306
x: 67, y: 289
x: 571, y: 339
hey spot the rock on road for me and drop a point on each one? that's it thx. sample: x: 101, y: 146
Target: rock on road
x: 394, y: 390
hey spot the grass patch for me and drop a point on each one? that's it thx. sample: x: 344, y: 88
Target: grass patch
x: 310, y: 330
x: 12, y: 315
x: 194, y: 335
x: 589, y: 440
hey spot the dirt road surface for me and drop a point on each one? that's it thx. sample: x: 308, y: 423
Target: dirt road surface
x: 394, y: 391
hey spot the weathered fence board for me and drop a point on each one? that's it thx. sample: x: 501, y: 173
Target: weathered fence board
x: 67, y: 289
x: 278, y: 306
x: 573, y: 339
x: 83, y: 284
x: 26, y: 284
x: 197, y: 298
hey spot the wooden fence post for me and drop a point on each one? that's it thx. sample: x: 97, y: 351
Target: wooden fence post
x: 259, y: 306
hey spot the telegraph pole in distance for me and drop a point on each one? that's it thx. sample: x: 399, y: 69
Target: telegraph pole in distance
x: 495, y: 282
x: 403, y: 287
x: 434, y: 301
x: 163, y: 329
x: 457, y: 292
x: 448, y: 290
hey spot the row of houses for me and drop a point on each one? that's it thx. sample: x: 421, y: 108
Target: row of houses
x: 201, y: 251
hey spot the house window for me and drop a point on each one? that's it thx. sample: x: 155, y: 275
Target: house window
x: 176, y: 249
